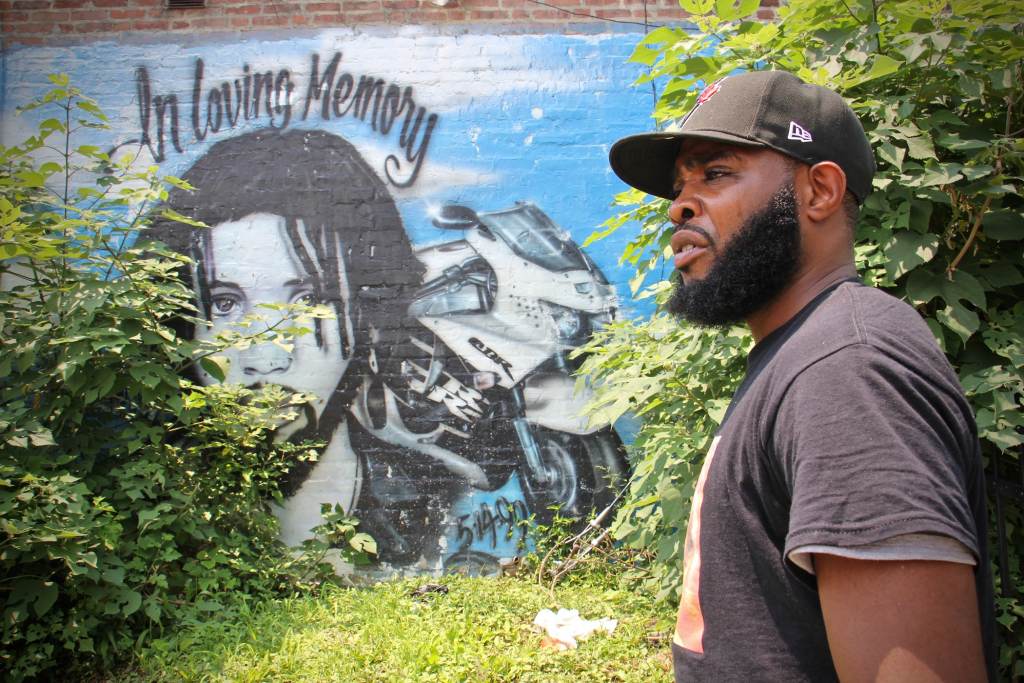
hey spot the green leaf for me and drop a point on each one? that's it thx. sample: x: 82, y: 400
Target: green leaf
x: 43, y: 437
x: 152, y: 610
x: 906, y: 250
x: 215, y: 366
x: 1001, y: 274
x: 1004, y: 225
x: 173, y: 215
x: 730, y: 10
x: 882, y: 65
x: 890, y: 153
x: 961, y: 320
x: 696, y: 7
x: 920, y: 147
x: 132, y: 602
x: 363, y: 543
x: 46, y: 597
x: 923, y: 286
x: 92, y: 109
x: 114, y: 575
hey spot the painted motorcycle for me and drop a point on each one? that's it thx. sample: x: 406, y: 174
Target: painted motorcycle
x: 490, y: 393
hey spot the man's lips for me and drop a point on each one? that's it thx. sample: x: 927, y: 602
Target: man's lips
x: 688, y: 245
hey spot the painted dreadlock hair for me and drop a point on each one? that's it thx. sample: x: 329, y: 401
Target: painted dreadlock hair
x: 333, y: 203
x: 328, y: 196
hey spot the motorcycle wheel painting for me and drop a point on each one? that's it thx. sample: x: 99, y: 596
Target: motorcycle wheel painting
x: 579, y: 474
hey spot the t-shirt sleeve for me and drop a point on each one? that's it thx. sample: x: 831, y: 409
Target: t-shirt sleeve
x: 870, y: 450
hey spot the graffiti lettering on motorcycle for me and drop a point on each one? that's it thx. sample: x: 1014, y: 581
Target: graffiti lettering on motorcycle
x: 486, y: 522
x: 493, y: 355
x: 268, y: 95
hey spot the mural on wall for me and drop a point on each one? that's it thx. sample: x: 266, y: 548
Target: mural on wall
x: 443, y: 385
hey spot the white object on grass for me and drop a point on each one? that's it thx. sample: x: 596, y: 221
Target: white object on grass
x: 567, y: 626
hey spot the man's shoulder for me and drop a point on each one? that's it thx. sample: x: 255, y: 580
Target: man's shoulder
x: 853, y: 314
x: 855, y: 317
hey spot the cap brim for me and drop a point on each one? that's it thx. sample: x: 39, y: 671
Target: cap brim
x: 647, y: 161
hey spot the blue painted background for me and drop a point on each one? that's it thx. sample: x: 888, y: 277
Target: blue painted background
x: 520, y: 118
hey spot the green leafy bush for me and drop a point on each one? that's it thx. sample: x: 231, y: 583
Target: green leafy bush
x: 938, y: 86
x: 129, y: 496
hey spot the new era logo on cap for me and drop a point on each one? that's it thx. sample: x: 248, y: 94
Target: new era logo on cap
x: 797, y: 132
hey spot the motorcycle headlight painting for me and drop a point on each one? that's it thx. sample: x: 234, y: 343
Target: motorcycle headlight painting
x: 443, y: 390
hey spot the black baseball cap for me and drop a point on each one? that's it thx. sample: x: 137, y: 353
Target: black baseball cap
x: 771, y: 109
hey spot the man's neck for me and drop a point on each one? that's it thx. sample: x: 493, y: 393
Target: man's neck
x: 804, y: 288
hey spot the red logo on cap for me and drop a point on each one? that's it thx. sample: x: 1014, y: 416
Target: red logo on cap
x: 708, y: 92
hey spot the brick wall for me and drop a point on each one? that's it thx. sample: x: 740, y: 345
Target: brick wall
x: 36, y: 22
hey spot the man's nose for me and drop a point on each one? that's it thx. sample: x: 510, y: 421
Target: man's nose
x: 684, y: 207
x: 265, y: 359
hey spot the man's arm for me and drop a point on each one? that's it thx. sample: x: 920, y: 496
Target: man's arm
x: 909, y: 621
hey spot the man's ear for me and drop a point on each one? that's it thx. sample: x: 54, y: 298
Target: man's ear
x: 823, y: 192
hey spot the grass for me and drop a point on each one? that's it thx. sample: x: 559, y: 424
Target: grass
x: 479, y: 631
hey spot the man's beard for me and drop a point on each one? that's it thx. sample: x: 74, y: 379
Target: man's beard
x: 755, y: 266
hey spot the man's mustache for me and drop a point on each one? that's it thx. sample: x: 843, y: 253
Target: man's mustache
x: 697, y: 229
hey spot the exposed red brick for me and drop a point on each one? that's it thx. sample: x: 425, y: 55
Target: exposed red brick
x: 265, y: 20
x: 151, y: 25
x: 325, y: 19
x: 95, y: 27
x: 89, y: 14
x: 611, y: 13
x: 127, y: 13
x: 31, y: 21
x: 243, y: 9
x: 211, y: 23
x: 488, y: 14
x: 27, y: 29
x: 368, y: 17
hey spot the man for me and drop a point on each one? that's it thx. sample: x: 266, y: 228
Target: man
x: 838, y: 523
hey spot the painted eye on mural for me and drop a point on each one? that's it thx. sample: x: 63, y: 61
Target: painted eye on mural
x: 305, y: 297
x: 225, y: 304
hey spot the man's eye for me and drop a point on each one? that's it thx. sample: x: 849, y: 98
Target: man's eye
x: 224, y: 304
x: 715, y: 173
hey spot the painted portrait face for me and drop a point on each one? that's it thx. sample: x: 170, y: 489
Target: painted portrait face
x: 251, y: 262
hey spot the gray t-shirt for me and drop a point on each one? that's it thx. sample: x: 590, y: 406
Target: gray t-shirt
x: 850, y: 428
